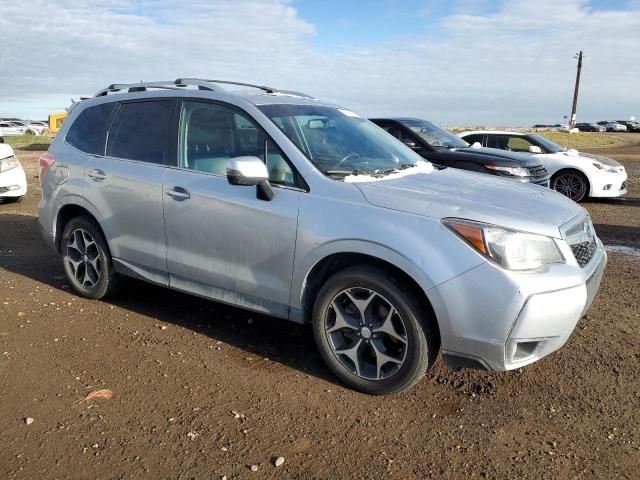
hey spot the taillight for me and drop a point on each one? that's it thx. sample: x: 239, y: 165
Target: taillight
x: 46, y: 160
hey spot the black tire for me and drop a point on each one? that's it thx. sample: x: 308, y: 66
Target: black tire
x: 420, y: 330
x: 11, y: 200
x: 107, y: 280
x: 572, y: 184
x: 29, y: 132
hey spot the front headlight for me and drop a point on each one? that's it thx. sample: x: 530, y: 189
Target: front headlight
x: 515, y: 171
x: 606, y: 168
x: 510, y: 249
x: 8, y: 163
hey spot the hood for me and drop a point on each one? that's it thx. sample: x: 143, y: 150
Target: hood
x: 5, y: 151
x: 604, y: 160
x: 474, y: 196
x: 525, y: 160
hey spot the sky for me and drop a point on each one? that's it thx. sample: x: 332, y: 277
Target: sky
x: 455, y: 62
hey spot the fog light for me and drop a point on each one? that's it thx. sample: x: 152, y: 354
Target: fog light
x: 14, y: 187
x: 519, y: 350
x: 607, y: 187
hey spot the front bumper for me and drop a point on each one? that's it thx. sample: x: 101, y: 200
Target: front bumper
x: 608, y: 185
x: 499, y: 320
x: 13, y: 183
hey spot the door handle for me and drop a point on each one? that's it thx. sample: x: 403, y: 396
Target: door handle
x: 97, y: 174
x: 178, y: 193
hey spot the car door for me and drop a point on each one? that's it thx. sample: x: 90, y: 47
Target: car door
x: 7, y: 128
x: 125, y: 187
x: 223, y: 242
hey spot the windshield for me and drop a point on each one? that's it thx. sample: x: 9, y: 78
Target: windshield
x: 434, y: 135
x: 339, y: 142
x: 548, y: 145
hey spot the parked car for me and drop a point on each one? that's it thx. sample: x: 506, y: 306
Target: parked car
x: 590, y: 127
x: 612, y: 126
x: 574, y: 174
x: 632, y: 126
x: 35, y: 129
x: 11, y: 128
x: 290, y: 206
x: 442, y: 147
x: 13, y: 181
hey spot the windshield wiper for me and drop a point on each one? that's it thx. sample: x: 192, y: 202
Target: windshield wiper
x: 387, y: 171
x: 344, y: 173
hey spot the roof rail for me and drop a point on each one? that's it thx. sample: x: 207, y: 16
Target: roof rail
x: 180, y: 83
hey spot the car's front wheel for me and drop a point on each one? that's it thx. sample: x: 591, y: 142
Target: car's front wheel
x: 86, y: 259
x: 374, y: 334
x: 571, y: 184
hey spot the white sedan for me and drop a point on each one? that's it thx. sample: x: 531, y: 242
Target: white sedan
x: 574, y: 174
x: 13, y: 181
x: 12, y: 128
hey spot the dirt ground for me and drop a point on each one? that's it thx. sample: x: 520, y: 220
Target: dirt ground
x: 201, y: 390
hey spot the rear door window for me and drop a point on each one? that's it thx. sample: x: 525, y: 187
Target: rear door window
x: 87, y: 133
x: 139, y: 131
x: 471, y: 139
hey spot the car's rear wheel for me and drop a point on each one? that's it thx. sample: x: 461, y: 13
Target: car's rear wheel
x: 571, y: 184
x: 86, y: 259
x: 375, y: 335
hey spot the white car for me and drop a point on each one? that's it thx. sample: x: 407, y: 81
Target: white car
x: 11, y: 128
x: 13, y: 181
x: 574, y: 174
x: 35, y: 129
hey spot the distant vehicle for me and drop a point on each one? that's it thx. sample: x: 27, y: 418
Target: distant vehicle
x: 11, y: 128
x: 612, y: 126
x: 55, y: 121
x: 442, y: 147
x: 554, y: 126
x: 574, y: 174
x: 590, y: 127
x: 631, y: 125
x: 13, y: 181
x: 35, y: 129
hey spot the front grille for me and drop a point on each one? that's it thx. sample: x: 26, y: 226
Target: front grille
x: 537, y: 172
x: 584, y: 251
x: 582, y: 240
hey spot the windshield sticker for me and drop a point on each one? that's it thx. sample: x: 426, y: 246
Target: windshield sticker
x: 349, y: 113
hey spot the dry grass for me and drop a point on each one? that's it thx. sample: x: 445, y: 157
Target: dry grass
x: 581, y: 139
x: 28, y: 142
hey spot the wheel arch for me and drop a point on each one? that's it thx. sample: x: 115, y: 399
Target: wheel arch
x: 335, y: 262
x: 574, y: 170
x: 66, y: 213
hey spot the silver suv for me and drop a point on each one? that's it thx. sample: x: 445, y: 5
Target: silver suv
x: 283, y: 204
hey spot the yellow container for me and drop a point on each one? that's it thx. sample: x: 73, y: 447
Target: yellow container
x: 55, y: 121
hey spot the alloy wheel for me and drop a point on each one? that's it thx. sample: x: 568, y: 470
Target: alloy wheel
x: 366, y: 333
x: 84, y: 259
x: 570, y: 185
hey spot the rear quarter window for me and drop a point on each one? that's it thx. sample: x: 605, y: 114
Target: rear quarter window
x: 87, y: 133
x: 139, y: 130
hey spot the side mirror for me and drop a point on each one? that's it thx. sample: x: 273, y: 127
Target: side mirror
x: 534, y: 149
x: 250, y: 171
x: 410, y: 143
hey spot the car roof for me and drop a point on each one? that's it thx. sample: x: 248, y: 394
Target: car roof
x: 493, y: 132
x: 400, y: 119
x: 181, y: 87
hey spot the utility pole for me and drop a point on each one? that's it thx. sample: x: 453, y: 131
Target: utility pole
x: 572, y: 121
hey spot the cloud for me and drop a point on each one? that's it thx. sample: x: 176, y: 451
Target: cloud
x: 512, y: 65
